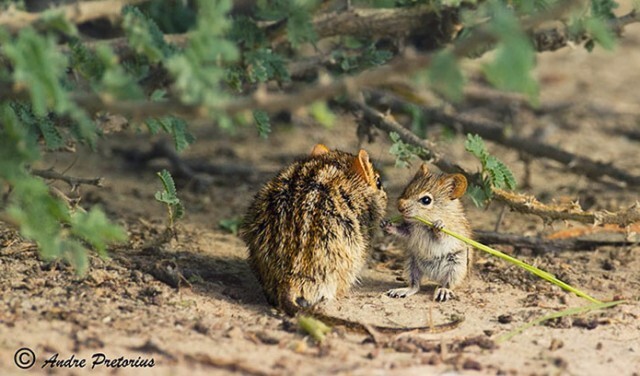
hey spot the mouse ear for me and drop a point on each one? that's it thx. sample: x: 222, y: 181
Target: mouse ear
x: 362, y: 167
x: 424, y: 169
x: 319, y: 149
x: 459, y: 185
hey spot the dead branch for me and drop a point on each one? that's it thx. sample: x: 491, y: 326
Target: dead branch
x: 74, y: 182
x: 122, y: 48
x: 494, y: 131
x: 77, y: 13
x: 162, y: 149
x: 386, y: 123
x: 552, y: 39
x: 487, y: 96
x: 441, y: 23
x: 198, y: 172
x: 530, y: 205
x: 517, y: 202
x: 403, y: 65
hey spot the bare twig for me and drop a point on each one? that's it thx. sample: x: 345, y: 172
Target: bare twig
x: 71, y: 202
x: 79, y: 12
x: 73, y: 182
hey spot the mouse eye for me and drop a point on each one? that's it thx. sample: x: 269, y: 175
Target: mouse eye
x: 425, y: 200
x: 378, y: 182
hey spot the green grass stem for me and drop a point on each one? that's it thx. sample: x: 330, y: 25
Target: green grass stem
x: 532, y: 269
x: 567, y: 312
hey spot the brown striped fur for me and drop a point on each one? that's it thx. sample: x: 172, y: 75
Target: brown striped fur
x: 309, y: 229
x: 431, y: 253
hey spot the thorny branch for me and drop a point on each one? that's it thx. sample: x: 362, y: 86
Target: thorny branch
x: 493, y: 131
x: 400, y: 22
x: 516, y: 201
x: 386, y: 123
x: 77, y: 13
x: 530, y: 205
x: 73, y: 182
x: 552, y: 39
x: 379, y: 22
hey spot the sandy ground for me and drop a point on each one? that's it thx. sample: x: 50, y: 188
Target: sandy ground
x: 219, y: 322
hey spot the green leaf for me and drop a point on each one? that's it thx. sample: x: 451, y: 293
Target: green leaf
x: 37, y: 68
x: 508, y: 180
x: 231, y: 224
x: 167, y: 183
x: 76, y: 254
x: 370, y: 56
x: 38, y: 215
x: 603, y: 9
x: 181, y: 137
x: 116, y: 82
x: 40, y: 126
x: 495, y: 173
x: 404, y: 152
x: 17, y: 149
x: 474, y: 144
x: 300, y: 23
x: 175, y: 126
x: 169, y: 196
x: 263, y: 65
x: 511, y: 69
x: 85, y: 61
x: 56, y: 20
x: 198, y: 72
x: 245, y: 30
x: 316, y: 328
x: 600, y: 32
x: 446, y: 77
x: 322, y: 113
x: 478, y: 196
x: 262, y: 123
x: 94, y: 228
x: 153, y: 125
x: 158, y: 95
x: 144, y: 36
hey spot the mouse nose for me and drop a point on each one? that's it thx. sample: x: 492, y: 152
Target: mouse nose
x: 403, y: 205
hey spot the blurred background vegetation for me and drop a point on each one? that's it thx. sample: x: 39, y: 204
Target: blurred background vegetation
x: 74, y: 72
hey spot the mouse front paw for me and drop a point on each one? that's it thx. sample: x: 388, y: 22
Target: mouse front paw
x: 438, y: 225
x: 443, y: 294
x: 402, y: 292
x: 387, y: 226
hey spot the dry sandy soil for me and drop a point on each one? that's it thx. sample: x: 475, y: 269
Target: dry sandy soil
x: 218, y: 321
